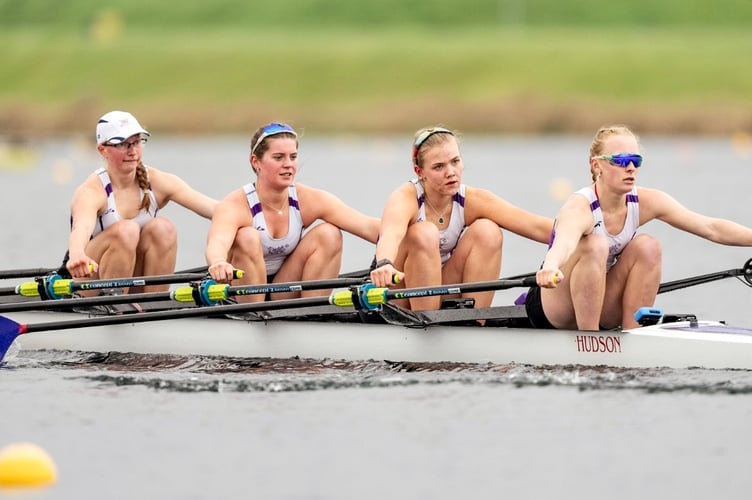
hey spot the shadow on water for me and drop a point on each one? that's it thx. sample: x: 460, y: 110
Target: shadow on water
x: 227, y: 374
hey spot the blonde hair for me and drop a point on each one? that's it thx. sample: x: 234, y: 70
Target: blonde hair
x: 142, y: 176
x: 436, y: 135
x: 603, y: 133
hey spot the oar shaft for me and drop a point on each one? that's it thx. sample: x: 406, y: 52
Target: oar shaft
x: 193, y: 312
x: 211, y: 293
x: 56, y: 287
x: 294, y: 286
x: 670, y: 286
x: 139, y: 281
x: 480, y: 286
x: 26, y: 273
x: 42, y: 305
x: 370, y: 297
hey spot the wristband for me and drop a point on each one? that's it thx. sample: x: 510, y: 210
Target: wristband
x: 382, y: 262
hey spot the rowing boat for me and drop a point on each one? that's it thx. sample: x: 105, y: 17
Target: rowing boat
x: 360, y: 323
x: 324, y: 333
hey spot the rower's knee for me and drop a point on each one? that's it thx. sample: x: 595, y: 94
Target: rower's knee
x: 594, y: 248
x: 161, y: 232
x: 328, y: 237
x: 422, y: 237
x: 648, y: 250
x: 247, y: 241
x: 124, y: 235
x: 486, y: 234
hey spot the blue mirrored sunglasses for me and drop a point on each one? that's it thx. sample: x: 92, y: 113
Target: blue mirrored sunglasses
x: 622, y: 159
x: 273, y: 129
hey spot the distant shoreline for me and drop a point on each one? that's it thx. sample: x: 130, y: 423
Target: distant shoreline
x: 23, y: 123
x: 560, y: 80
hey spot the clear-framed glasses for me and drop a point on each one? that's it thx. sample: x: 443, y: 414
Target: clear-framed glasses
x: 126, y: 145
x: 622, y: 159
x: 423, y: 137
x: 272, y: 129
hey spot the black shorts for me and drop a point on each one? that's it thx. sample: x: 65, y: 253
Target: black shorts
x: 534, y: 309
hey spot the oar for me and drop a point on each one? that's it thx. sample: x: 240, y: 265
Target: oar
x: 361, y: 297
x: 198, y: 269
x: 33, y: 272
x: 744, y: 272
x: 55, y: 287
x: 361, y: 273
x: 26, y: 273
x: 370, y: 297
x: 207, y: 292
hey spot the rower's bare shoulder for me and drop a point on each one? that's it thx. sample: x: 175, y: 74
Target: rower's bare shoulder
x: 653, y: 198
x: 91, y: 188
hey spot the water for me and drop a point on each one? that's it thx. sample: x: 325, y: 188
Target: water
x: 168, y: 427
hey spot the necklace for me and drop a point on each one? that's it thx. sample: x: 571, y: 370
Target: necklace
x: 278, y: 210
x: 440, y: 220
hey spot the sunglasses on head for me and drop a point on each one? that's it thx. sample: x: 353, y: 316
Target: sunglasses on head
x: 423, y: 137
x: 622, y: 159
x: 272, y: 129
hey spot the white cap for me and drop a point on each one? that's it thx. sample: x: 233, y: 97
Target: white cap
x: 117, y: 126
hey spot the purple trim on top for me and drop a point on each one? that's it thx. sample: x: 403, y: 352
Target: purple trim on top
x: 595, y: 205
x: 459, y: 199
x: 632, y: 198
x: 421, y: 200
x: 108, y: 189
x: 293, y: 203
x: 256, y: 209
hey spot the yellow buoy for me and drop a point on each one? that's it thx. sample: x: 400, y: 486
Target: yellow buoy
x: 25, y: 465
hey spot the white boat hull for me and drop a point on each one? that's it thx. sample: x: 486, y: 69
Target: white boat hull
x: 676, y: 345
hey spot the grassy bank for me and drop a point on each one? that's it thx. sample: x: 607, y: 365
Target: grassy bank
x: 432, y: 14
x: 668, y: 80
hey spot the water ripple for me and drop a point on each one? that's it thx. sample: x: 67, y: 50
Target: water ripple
x: 226, y: 374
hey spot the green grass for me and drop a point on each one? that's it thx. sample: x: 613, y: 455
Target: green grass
x: 344, y: 78
x: 171, y: 14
